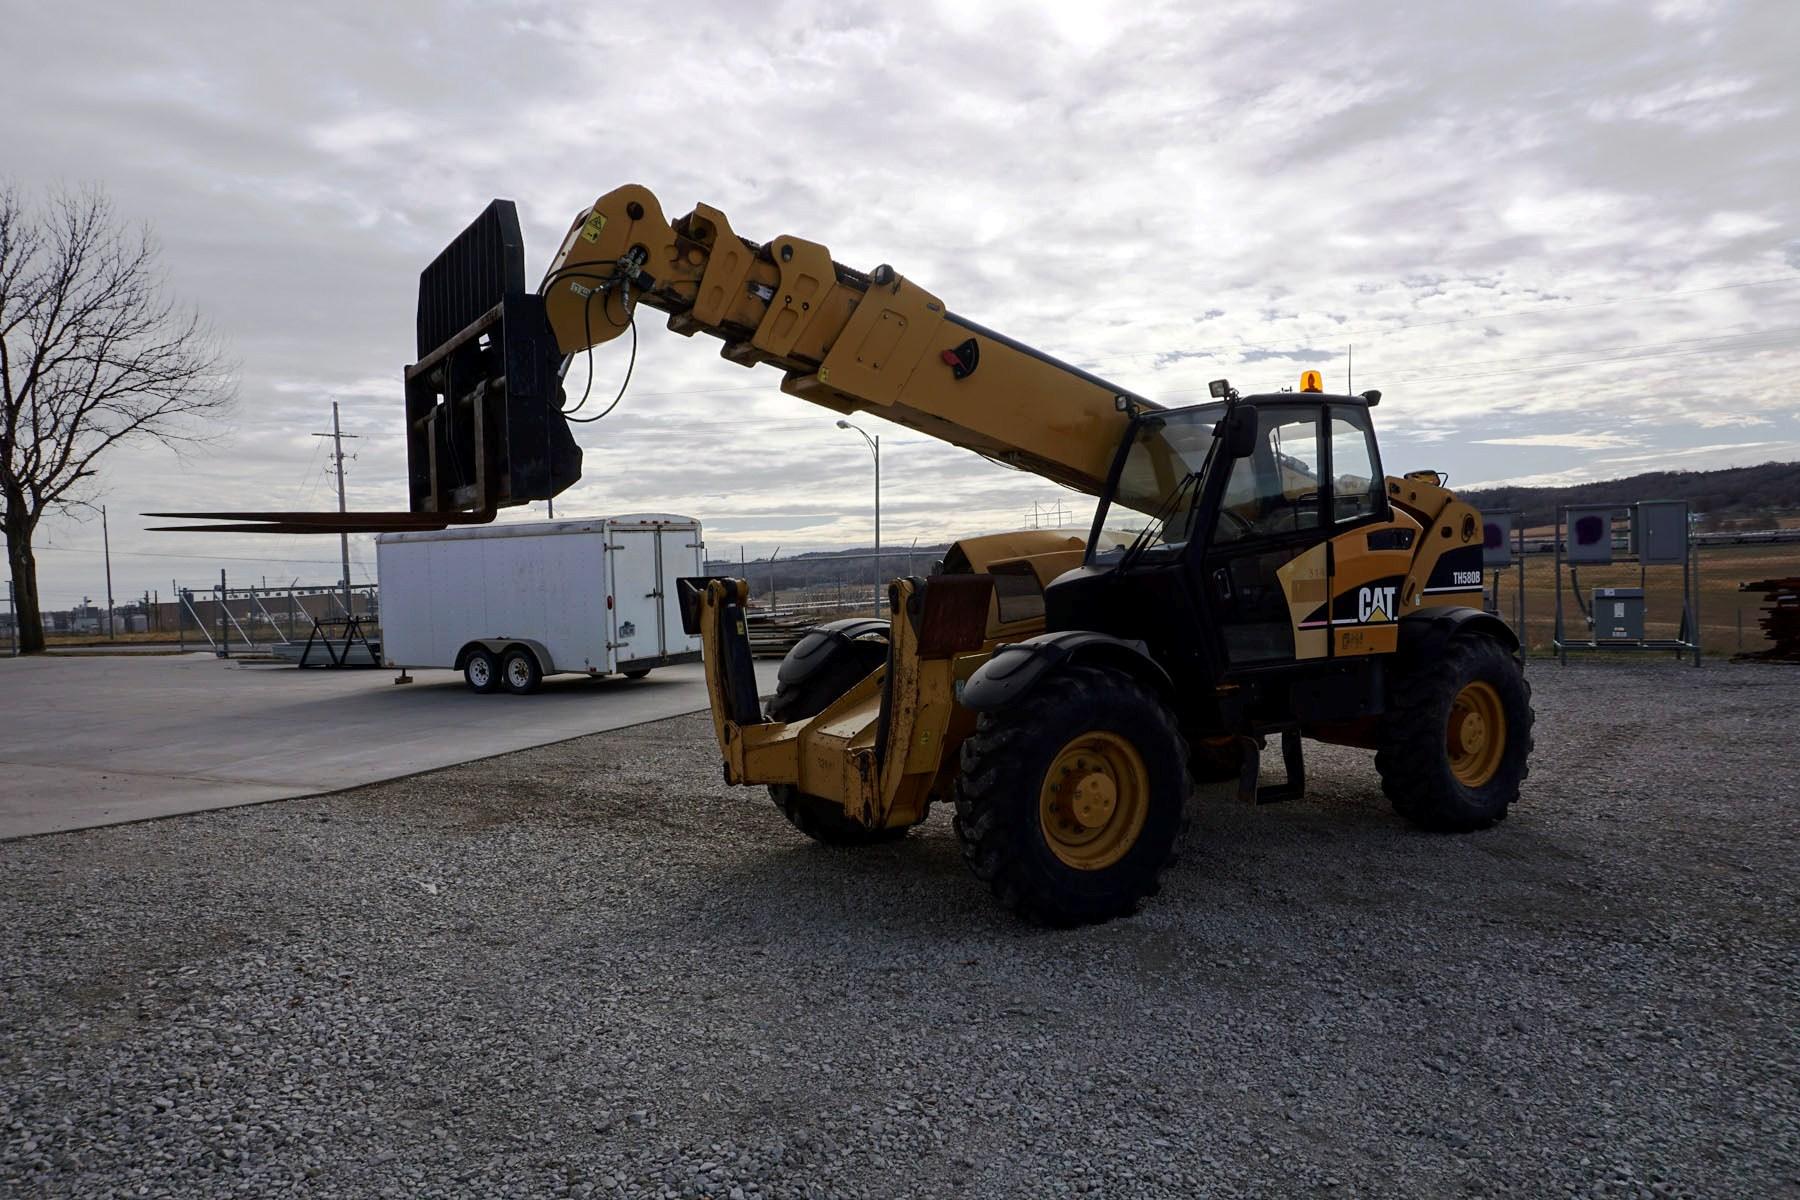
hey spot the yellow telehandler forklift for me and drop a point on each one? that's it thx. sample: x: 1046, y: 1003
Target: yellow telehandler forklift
x: 1268, y: 578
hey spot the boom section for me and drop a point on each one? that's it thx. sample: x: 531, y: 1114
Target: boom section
x: 848, y: 340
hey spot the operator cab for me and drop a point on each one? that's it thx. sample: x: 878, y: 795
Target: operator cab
x: 1232, y: 502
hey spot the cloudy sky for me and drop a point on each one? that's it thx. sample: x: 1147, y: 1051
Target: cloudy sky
x: 1562, y: 237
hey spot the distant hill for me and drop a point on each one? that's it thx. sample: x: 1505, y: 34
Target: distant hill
x: 851, y: 572
x: 1733, y: 498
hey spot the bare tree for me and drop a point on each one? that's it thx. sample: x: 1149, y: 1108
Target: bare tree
x: 93, y: 355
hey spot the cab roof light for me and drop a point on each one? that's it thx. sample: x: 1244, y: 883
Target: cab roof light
x: 1311, y: 381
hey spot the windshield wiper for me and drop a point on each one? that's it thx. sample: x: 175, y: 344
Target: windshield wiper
x: 1158, y: 519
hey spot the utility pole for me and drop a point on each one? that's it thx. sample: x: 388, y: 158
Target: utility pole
x: 337, y: 436
x: 106, y: 541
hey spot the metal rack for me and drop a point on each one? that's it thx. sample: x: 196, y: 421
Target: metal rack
x: 1503, y: 547
x: 1649, y: 545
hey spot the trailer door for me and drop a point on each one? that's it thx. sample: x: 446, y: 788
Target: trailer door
x: 681, y: 555
x: 637, y: 611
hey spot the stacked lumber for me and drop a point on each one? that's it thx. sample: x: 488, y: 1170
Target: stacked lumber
x: 772, y: 635
x: 1780, y: 620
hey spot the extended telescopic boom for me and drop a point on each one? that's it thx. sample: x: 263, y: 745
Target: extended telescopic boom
x: 486, y: 425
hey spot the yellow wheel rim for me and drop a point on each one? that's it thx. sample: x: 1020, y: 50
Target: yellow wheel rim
x: 1476, y: 734
x: 1094, y: 800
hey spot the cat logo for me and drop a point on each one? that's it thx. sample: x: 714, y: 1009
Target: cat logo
x: 1374, y: 604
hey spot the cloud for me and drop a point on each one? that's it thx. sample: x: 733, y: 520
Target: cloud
x: 1472, y: 197
x: 1297, y: 355
x: 1578, y: 441
x: 1725, y: 420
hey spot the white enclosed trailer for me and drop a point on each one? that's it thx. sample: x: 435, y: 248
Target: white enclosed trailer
x: 508, y: 604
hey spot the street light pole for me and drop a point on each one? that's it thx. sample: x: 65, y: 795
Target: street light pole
x: 106, y: 541
x: 874, y: 448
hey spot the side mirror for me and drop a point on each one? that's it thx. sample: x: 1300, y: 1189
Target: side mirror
x: 1240, y: 431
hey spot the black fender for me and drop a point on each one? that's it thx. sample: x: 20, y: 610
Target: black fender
x: 1016, y: 669
x: 820, y: 643
x: 1425, y: 632
x: 498, y: 648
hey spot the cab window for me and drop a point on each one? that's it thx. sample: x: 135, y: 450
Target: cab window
x: 1274, y: 490
x: 1355, y: 471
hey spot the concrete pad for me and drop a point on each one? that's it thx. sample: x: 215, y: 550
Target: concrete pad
x: 97, y: 741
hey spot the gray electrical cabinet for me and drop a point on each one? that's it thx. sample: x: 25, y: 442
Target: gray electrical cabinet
x: 1497, y: 539
x: 1589, y: 534
x: 1618, y: 614
x: 1659, y: 531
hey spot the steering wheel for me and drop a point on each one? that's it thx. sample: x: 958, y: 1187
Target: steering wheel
x: 1245, y: 526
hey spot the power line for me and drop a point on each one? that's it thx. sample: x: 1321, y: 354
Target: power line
x: 1240, y: 347
x: 1376, y: 331
x: 1637, y: 346
x: 1764, y: 345
x: 323, y: 562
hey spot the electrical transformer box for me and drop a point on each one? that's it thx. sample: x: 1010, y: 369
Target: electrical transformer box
x: 1659, y: 531
x: 1618, y: 614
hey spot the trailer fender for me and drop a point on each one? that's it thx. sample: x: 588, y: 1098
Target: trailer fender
x: 821, y: 644
x: 1016, y: 669
x: 1425, y: 633
x: 498, y: 648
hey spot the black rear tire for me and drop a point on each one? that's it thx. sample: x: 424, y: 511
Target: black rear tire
x: 1001, y: 797
x: 820, y: 819
x: 1419, y: 744
x: 520, y: 672
x: 639, y: 673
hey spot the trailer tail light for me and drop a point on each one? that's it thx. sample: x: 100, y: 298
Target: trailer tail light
x: 609, y: 603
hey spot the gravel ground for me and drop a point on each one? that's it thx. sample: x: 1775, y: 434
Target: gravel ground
x: 591, y: 969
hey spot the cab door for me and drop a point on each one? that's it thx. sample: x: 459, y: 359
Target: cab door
x: 1265, y: 573
x: 1371, y: 550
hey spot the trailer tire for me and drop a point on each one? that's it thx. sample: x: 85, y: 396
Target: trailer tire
x: 481, y: 672
x: 636, y: 673
x: 520, y: 671
x: 1071, y: 802
x: 1455, y: 744
x: 820, y: 819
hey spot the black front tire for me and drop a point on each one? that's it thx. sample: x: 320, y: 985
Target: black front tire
x: 820, y: 819
x: 1415, y: 757
x: 1000, y: 794
x: 481, y: 671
